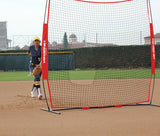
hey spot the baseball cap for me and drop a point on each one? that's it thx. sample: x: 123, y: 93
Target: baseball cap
x: 36, y: 39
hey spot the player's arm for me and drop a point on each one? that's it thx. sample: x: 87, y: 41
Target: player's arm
x: 40, y: 61
x: 38, y: 68
x: 29, y: 52
x: 40, y: 64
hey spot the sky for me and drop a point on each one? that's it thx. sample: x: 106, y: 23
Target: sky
x: 25, y: 17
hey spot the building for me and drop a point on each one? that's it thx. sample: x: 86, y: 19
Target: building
x: 3, y: 36
x: 25, y: 47
x: 73, y: 44
x: 157, y: 39
x: 72, y: 38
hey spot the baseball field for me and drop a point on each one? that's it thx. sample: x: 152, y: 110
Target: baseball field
x: 83, y: 74
x: 20, y: 115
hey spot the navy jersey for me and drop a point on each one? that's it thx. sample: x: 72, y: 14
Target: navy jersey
x: 35, y: 55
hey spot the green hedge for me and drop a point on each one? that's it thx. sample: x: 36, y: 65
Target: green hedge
x: 114, y: 57
x: 118, y: 57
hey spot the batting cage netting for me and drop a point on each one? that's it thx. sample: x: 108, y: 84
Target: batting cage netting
x: 98, y: 53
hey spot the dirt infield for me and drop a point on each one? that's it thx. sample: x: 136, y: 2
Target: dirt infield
x: 20, y: 115
x: 99, y: 92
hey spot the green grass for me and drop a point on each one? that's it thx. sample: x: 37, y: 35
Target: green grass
x: 101, y: 74
x: 15, y: 76
x: 82, y: 74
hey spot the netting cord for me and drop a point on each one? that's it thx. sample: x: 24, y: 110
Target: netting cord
x: 149, y: 2
x: 151, y: 19
x: 45, y: 11
x: 45, y: 95
x: 152, y: 89
x: 42, y: 71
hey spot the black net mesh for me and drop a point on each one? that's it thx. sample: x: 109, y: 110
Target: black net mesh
x: 109, y: 63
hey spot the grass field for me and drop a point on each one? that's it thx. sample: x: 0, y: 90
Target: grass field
x: 82, y: 74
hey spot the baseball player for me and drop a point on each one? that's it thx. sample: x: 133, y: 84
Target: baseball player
x: 35, y: 53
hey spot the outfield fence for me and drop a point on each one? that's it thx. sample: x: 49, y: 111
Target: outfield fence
x: 85, y: 58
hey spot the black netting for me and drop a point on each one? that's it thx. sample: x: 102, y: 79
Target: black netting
x: 110, y: 63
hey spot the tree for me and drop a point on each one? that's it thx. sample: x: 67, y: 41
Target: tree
x: 65, y: 41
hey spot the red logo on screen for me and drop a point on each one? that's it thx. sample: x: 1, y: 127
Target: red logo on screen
x: 153, y: 48
x: 44, y: 52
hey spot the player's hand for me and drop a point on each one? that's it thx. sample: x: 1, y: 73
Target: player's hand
x: 37, y: 70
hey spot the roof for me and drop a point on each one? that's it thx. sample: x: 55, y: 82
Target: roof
x: 102, y: 44
x: 155, y: 36
x: 72, y: 36
x: 80, y: 45
x: 25, y: 47
x: 9, y: 40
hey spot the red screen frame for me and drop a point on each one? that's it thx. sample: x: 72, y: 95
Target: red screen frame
x: 103, y: 2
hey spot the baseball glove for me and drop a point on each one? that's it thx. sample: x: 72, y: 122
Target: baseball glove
x: 37, y: 70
